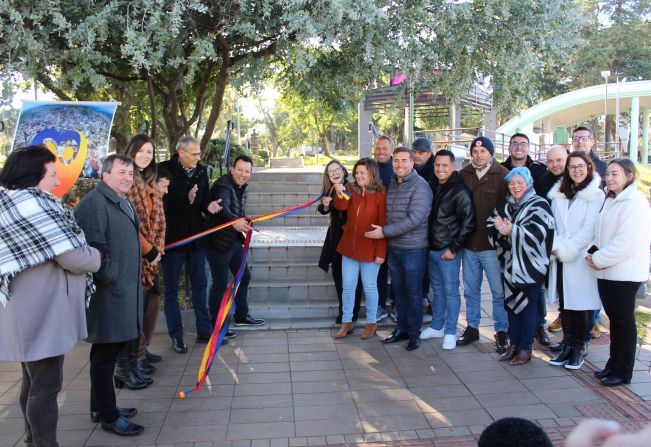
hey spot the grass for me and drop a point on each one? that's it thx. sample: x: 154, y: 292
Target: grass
x: 347, y: 160
x: 642, y: 322
x: 644, y: 179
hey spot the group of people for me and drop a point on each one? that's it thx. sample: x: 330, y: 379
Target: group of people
x: 100, y: 266
x: 566, y: 231
x: 406, y: 212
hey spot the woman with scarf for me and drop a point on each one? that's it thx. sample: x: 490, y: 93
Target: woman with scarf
x: 619, y: 256
x: 576, y: 200
x: 521, y: 229
x: 147, y: 202
x: 365, y: 201
x: 335, y: 173
x: 45, y: 285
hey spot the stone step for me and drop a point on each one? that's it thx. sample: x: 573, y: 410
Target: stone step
x: 310, y: 175
x: 279, y: 199
x: 296, y: 220
x: 276, y: 186
x: 290, y: 269
x: 257, y: 210
x: 289, y: 291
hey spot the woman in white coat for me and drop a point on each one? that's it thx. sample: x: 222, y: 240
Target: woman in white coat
x: 576, y: 200
x: 622, y: 237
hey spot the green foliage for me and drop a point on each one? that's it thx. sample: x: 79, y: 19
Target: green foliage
x: 215, y: 150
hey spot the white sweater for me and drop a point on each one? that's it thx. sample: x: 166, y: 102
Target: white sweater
x: 623, y: 235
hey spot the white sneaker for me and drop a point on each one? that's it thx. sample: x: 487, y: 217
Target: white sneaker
x: 431, y: 333
x: 449, y: 341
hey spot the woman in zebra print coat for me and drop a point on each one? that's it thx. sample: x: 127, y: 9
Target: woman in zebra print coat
x: 521, y: 229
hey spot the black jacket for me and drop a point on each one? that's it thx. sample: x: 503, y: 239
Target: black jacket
x: 427, y: 170
x: 452, y: 218
x: 233, y: 207
x: 536, y: 168
x: 185, y: 219
x: 544, y: 184
x: 333, y: 236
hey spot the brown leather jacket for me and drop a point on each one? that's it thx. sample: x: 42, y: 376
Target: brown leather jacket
x: 486, y: 194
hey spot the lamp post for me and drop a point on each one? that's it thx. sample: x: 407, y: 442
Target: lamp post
x: 605, y: 75
x: 618, y: 138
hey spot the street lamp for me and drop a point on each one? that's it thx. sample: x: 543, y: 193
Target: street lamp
x: 605, y: 75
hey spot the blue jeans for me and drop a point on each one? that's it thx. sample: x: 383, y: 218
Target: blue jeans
x: 475, y: 264
x: 195, y: 265
x: 444, y: 277
x: 407, y: 268
x: 351, y: 271
x: 542, y: 311
x: 220, y: 263
x: 522, y: 327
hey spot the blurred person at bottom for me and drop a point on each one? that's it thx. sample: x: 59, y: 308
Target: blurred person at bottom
x: 361, y: 255
x: 521, y: 229
x: 44, y: 285
x: 619, y: 257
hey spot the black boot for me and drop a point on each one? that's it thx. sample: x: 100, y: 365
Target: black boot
x: 124, y: 374
x: 133, y: 364
x: 563, y: 356
x: 576, y: 358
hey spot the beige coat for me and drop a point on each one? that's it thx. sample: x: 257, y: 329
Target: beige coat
x: 46, y: 312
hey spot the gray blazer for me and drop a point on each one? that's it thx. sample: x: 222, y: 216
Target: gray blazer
x: 408, y: 208
x: 116, y: 309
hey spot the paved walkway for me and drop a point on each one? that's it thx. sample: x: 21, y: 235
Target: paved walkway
x: 283, y: 388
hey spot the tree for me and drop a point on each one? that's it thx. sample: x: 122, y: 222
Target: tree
x: 172, y: 60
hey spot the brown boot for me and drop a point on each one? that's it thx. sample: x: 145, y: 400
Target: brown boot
x: 510, y: 354
x: 344, y: 330
x: 522, y: 358
x: 369, y: 331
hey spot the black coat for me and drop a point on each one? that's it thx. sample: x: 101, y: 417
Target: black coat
x: 185, y: 219
x: 544, y: 184
x: 536, y: 168
x: 233, y: 207
x: 452, y: 218
x: 116, y: 308
x: 333, y: 236
x: 427, y: 170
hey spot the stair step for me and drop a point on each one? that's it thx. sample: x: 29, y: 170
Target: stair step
x: 290, y: 270
x: 278, y: 186
x: 283, y: 200
x: 291, y: 291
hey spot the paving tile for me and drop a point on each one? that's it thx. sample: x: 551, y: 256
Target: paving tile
x: 314, y: 347
x: 382, y: 395
x: 507, y: 399
x: 578, y: 395
x: 394, y: 423
x: 260, y: 443
x: 560, y: 382
x: 334, y: 398
x: 262, y: 401
x: 297, y: 442
x: 562, y: 410
x: 317, y: 376
x: 395, y: 408
x: 204, y: 433
x: 477, y: 429
x: 263, y: 367
x: 497, y: 386
x: 406, y: 435
x: 319, y: 365
x: 318, y: 412
x: 452, y: 431
x: 327, y: 427
x: 354, y: 439
x: 264, y: 377
x: 335, y: 439
x: 426, y: 433
x: 438, y: 404
x: 258, y: 389
x: 260, y: 430
x: 440, y: 391
x: 279, y: 442
x: 389, y: 436
x: 535, y: 411
x: 263, y: 358
x: 457, y: 418
x: 320, y: 387
x: 241, y: 443
x: 313, y: 356
x: 256, y: 415
x: 316, y: 440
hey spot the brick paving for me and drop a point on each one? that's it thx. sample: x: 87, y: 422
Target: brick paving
x: 291, y: 388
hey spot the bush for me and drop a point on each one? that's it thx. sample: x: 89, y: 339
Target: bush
x: 216, y: 148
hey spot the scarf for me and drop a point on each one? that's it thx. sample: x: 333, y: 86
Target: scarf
x: 149, y: 207
x: 524, y: 253
x: 480, y: 171
x: 35, y: 227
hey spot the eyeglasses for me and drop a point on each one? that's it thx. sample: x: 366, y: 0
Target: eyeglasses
x: 580, y: 138
x: 334, y: 171
x: 580, y: 167
x: 521, y: 144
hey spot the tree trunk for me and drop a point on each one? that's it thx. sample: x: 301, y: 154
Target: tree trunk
x: 325, y: 144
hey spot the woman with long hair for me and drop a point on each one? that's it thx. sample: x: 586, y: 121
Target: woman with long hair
x: 335, y: 173
x: 147, y: 203
x: 45, y: 285
x: 620, y: 258
x: 521, y: 229
x: 576, y: 200
x: 365, y: 201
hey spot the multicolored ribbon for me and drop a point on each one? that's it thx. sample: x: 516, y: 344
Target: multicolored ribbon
x: 227, y: 307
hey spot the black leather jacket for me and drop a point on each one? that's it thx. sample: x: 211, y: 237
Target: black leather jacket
x: 233, y: 206
x: 452, y: 218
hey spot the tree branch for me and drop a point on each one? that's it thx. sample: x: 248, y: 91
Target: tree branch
x: 49, y: 84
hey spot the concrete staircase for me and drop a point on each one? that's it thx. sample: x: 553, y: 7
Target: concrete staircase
x: 287, y: 288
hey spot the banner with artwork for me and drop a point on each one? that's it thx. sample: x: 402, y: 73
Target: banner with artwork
x: 76, y: 132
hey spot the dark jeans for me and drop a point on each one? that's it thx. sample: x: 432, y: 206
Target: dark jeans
x: 407, y: 268
x: 522, y: 326
x: 337, y: 277
x: 220, y: 263
x: 152, y: 308
x: 195, y: 264
x: 102, y: 365
x: 384, y: 289
x: 38, y: 400
x: 618, y: 298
